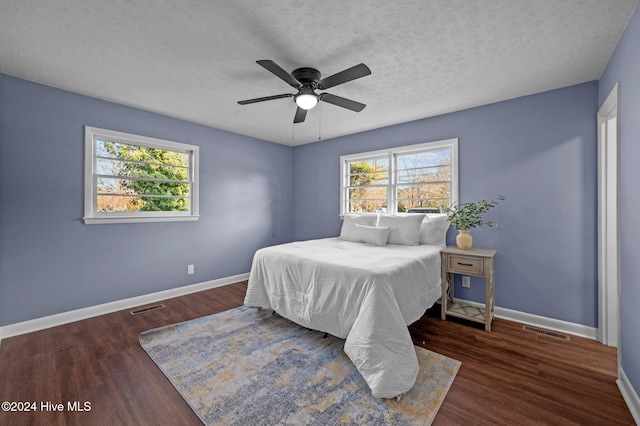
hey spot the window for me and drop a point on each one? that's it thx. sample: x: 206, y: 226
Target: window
x: 420, y: 177
x: 131, y: 178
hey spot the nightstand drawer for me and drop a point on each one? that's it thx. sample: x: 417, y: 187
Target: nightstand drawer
x: 466, y: 265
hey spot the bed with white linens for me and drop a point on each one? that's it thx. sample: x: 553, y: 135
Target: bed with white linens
x: 365, y: 286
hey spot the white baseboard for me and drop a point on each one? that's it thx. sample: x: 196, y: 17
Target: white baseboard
x: 549, y: 323
x: 106, y: 308
x: 629, y: 394
x: 539, y: 321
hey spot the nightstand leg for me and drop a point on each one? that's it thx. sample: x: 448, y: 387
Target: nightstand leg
x: 444, y: 299
x: 489, y: 294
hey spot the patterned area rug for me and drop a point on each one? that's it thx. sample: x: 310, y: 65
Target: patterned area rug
x: 249, y: 367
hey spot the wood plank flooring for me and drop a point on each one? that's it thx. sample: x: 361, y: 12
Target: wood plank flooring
x: 508, y: 376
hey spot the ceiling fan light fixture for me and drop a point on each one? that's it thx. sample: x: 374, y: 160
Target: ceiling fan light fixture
x: 306, y: 100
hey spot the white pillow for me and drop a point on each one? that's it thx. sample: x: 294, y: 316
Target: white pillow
x: 372, y: 234
x: 433, y: 230
x: 405, y: 230
x: 349, y: 232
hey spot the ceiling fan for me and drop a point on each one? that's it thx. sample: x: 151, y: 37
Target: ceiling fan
x: 306, y: 81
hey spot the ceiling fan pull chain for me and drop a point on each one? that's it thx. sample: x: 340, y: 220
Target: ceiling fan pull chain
x: 319, y: 122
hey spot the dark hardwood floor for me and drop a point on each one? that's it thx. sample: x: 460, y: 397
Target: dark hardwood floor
x: 508, y: 376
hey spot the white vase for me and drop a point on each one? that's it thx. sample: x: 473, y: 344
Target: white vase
x: 464, y: 240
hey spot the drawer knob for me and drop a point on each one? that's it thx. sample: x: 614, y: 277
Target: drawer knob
x: 465, y: 264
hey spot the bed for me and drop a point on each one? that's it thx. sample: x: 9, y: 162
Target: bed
x: 363, y: 292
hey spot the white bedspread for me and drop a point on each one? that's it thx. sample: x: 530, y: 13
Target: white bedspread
x: 359, y: 292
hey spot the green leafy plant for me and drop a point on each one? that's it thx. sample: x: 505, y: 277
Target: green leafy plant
x: 469, y: 215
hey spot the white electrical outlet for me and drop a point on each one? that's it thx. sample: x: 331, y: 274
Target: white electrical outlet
x: 466, y: 282
x: 190, y: 269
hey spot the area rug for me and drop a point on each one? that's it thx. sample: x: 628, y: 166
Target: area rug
x: 248, y: 367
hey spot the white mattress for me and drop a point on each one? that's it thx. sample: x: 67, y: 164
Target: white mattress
x: 359, y: 292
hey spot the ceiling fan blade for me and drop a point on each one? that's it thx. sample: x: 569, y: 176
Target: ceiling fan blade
x: 342, y: 102
x: 266, y: 98
x: 271, y: 66
x: 349, y: 74
x: 301, y: 114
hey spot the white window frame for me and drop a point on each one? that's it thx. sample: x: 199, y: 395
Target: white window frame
x: 391, y: 154
x: 92, y: 216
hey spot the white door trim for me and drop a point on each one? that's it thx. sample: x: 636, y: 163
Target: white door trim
x: 608, y: 226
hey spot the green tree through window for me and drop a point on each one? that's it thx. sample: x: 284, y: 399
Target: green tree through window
x: 368, y: 185
x: 132, y: 178
x: 138, y: 178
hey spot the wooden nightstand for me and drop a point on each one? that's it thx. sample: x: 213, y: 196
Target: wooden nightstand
x: 477, y: 262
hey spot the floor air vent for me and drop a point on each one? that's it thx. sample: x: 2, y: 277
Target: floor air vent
x: 544, y: 332
x: 147, y: 309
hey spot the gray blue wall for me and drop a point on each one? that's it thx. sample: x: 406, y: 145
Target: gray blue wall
x: 50, y: 262
x: 540, y: 152
x: 624, y: 66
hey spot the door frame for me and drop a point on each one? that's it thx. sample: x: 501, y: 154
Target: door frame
x: 608, y: 220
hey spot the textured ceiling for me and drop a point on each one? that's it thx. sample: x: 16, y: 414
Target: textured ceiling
x: 195, y: 59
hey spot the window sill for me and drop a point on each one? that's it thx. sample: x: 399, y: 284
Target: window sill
x: 133, y: 219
